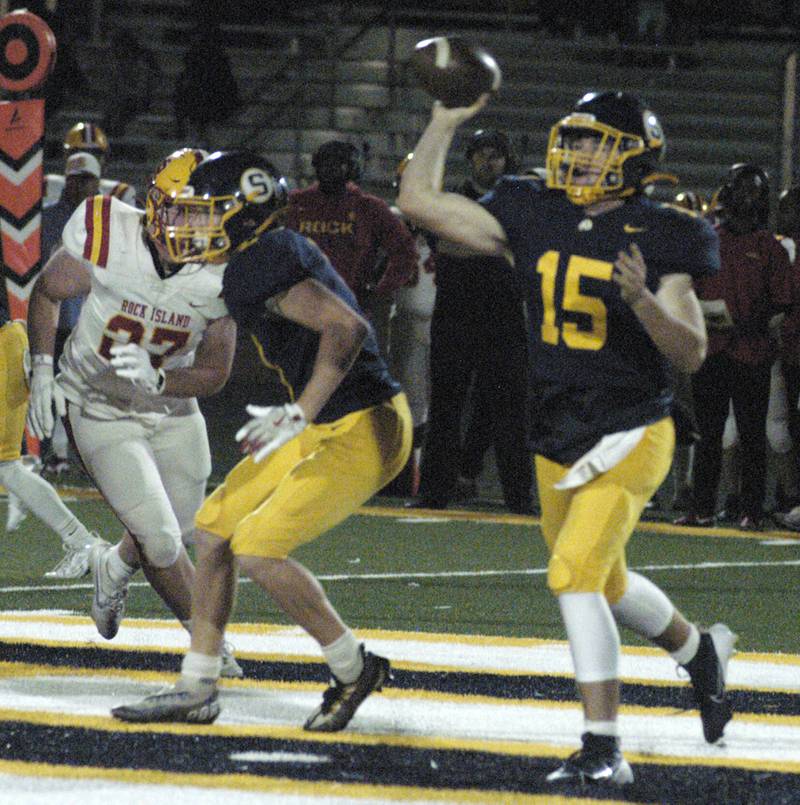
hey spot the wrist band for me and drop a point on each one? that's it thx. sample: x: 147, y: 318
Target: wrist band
x: 42, y: 359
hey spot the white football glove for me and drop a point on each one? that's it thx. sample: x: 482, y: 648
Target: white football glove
x: 133, y: 363
x: 270, y: 428
x: 45, y: 394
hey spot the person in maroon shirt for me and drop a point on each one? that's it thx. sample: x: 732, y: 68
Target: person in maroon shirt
x: 753, y: 284
x: 369, y: 246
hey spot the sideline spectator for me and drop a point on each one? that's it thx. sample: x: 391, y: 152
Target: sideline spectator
x: 478, y: 342
x: 206, y: 91
x: 133, y: 79
x: 410, y: 347
x: 753, y: 284
x: 88, y: 138
x: 369, y: 246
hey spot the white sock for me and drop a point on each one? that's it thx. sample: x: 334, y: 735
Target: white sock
x: 200, y: 669
x: 77, y: 536
x: 687, y: 651
x: 593, y: 636
x: 344, y: 658
x: 117, y: 567
x: 601, y: 727
x: 39, y: 497
x: 644, y: 608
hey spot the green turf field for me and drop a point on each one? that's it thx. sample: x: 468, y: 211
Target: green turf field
x: 481, y: 575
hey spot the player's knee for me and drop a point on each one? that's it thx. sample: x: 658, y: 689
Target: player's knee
x: 567, y: 574
x: 160, y: 549
x: 561, y: 575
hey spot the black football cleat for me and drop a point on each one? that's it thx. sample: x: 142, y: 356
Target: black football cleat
x: 707, y: 670
x: 598, y: 762
x: 340, y: 701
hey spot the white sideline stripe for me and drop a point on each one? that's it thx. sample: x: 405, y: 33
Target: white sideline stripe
x: 278, y: 757
x: 455, y: 574
x: 547, y: 657
x: 675, y: 734
x: 22, y: 790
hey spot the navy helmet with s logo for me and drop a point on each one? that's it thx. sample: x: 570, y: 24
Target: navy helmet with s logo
x: 230, y: 199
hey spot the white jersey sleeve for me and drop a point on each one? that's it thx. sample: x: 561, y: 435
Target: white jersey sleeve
x: 131, y: 302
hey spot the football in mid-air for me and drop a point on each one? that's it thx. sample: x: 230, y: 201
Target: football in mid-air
x: 453, y: 71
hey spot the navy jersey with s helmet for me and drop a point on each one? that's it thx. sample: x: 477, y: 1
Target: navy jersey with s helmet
x: 278, y: 260
x: 594, y: 369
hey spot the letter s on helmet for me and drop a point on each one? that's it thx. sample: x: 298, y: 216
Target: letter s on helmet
x: 630, y: 146
x: 232, y: 197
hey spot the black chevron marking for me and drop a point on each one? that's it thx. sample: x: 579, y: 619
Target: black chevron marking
x: 20, y: 223
x: 17, y: 164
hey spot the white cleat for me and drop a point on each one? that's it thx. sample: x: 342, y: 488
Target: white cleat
x: 108, y: 602
x: 75, y: 562
x: 230, y: 668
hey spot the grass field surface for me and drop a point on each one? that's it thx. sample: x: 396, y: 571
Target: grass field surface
x: 482, y: 704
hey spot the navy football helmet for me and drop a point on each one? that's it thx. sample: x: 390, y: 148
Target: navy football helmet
x: 230, y: 199
x: 629, y: 145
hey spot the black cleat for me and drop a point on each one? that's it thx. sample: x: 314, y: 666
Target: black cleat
x: 598, y: 761
x: 707, y: 672
x: 340, y: 701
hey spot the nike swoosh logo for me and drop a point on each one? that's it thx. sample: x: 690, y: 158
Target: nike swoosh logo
x: 630, y: 229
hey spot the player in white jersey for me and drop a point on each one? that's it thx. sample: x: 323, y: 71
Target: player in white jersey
x: 91, y: 139
x: 149, y: 339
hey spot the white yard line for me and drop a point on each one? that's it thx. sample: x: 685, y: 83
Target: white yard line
x: 444, y: 574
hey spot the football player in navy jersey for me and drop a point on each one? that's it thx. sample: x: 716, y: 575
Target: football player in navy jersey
x: 611, y: 301
x: 343, y: 432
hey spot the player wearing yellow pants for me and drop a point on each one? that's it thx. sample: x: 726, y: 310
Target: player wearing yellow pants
x: 611, y: 305
x: 345, y: 432
x: 27, y: 489
x: 310, y: 484
x: 586, y: 529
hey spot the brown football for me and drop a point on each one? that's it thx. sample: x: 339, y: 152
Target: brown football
x: 453, y: 71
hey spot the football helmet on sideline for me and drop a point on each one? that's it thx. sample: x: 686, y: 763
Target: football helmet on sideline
x: 88, y: 138
x: 232, y: 197
x: 170, y: 179
x: 629, y: 147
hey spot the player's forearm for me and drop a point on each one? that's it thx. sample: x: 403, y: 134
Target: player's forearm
x: 424, y: 174
x: 193, y: 382
x: 339, y: 346
x: 681, y: 342
x: 42, y: 322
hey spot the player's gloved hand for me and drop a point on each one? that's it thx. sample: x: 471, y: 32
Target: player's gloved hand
x: 271, y: 427
x: 45, y: 395
x: 133, y: 363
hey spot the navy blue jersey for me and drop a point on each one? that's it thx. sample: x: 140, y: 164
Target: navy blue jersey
x: 594, y: 369
x: 278, y: 260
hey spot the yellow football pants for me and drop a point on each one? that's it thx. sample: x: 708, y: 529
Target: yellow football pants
x: 586, y: 529
x: 14, y: 389
x: 310, y: 484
